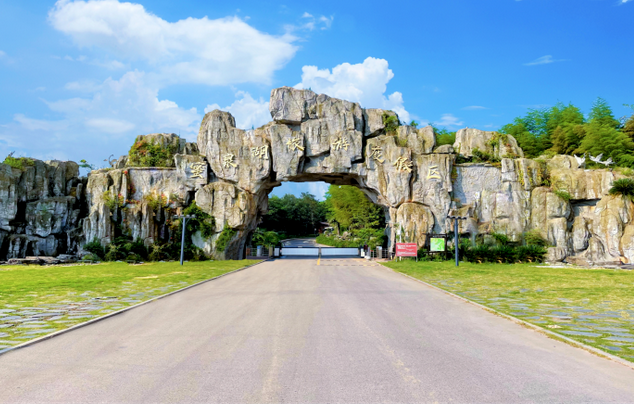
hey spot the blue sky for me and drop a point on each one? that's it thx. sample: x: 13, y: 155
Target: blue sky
x: 81, y: 79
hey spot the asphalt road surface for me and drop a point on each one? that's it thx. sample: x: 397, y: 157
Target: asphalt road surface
x: 294, y: 331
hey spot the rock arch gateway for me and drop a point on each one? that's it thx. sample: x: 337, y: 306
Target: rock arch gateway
x: 318, y: 138
x: 46, y: 209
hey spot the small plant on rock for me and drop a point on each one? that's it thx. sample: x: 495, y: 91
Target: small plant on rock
x: 390, y: 122
x: 623, y: 187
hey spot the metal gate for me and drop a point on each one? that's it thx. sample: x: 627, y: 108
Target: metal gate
x: 299, y: 251
x: 339, y: 252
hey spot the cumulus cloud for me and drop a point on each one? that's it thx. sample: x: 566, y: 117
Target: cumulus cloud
x: 248, y: 111
x: 544, y: 60
x: 194, y: 50
x: 365, y: 83
x: 449, y: 121
x: 105, y: 120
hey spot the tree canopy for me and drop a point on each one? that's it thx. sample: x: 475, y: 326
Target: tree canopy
x: 563, y: 129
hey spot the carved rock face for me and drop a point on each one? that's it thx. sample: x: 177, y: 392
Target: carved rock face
x: 312, y: 137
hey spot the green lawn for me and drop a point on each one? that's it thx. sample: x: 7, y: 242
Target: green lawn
x: 593, y: 306
x: 38, y: 300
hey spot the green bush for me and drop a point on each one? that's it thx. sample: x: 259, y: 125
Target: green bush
x: 333, y: 241
x: 92, y: 257
x: 150, y: 154
x: 534, y: 238
x: 18, y: 162
x: 115, y: 253
x: 504, y: 253
x: 390, y: 122
x: 501, y: 238
x: 225, y: 237
x: 113, y: 201
x: 95, y: 248
x: 562, y: 194
x: 480, y: 156
x: 202, y: 221
x: 133, y: 257
x: 623, y: 187
x: 530, y: 253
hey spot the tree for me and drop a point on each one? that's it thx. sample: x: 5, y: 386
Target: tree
x: 628, y: 127
x: 601, y: 113
x: 609, y: 141
x: 351, y: 209
x: 293, y: 215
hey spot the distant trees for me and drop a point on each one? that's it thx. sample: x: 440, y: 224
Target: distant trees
x: 294, y: 216
x: 563, y: 129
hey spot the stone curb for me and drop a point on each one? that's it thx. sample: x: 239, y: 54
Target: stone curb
x: 94, y: 320
x: 537, y: 328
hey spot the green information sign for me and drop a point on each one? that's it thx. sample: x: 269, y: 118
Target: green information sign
x: 437, y: 244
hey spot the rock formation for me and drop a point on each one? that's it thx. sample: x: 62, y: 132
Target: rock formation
x: 46, y: 209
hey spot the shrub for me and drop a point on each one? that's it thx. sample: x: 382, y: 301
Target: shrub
x: 159, y: 252
x: 144, y: 153
x: 500, y: 238
x: 333, y: 241
x: 114, y: 253
x: 155, y: 201
x: 562, y: 194
x: 504, y: 253
x: 202, y: 221
x: 112, y: 201
x: 133, y: 257
x: 92, y: 257
x: 534, y: 238
x: 225, y: 237
x: 623, y: 187
x: 530, y: 253
x: 390, y: 122
x: 95, y: 247
x: 480, y: 156
x: 18, y: 162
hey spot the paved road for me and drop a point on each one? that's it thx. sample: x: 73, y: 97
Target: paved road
x: 293, y: 331
x: 301, y: 242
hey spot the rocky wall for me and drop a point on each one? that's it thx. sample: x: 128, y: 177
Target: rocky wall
x: 46, y: 209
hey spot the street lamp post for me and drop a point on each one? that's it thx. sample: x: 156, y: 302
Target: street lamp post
x: 184, y: 217
x: 455, y: 234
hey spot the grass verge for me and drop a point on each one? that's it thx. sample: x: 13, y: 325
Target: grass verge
x: 592, y: 306
x: 39, y: 300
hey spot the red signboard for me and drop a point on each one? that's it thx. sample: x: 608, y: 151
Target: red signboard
x: 406, y: 250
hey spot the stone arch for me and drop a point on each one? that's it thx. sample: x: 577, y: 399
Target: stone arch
x: 318, y: 138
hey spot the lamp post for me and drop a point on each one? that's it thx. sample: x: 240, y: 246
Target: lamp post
x: 184, y: 217
x: 455, y: 233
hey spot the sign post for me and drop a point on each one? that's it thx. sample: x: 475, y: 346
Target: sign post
x: 455, y: 233
x: 184, y: 217
x: 407, y: 250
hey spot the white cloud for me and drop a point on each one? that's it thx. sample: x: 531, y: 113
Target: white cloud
x: 474, y: 108
x: 194, y: 50
x: 248, y: 111
x: 448, y: 121
x: 543, y: 61
x: 624, y: 1
x: 310, y: 23
x: 318, y: 189
x: 2, y: 54
x: 365, y: 83
x: 104, y: 122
